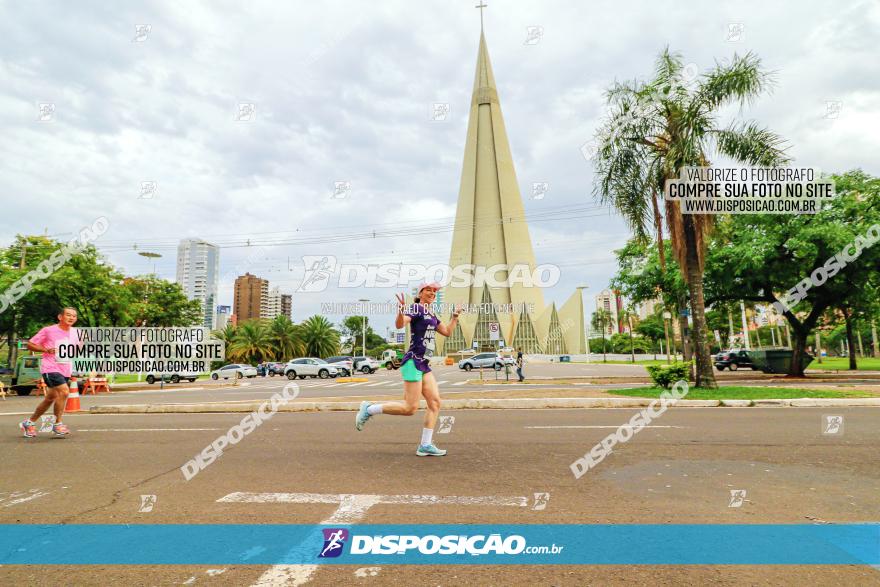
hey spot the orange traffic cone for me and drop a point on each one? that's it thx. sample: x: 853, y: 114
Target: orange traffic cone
x: 72, y: 404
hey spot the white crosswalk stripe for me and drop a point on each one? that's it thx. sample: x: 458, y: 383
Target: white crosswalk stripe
x: 375, y: 384
x: 460, y: 383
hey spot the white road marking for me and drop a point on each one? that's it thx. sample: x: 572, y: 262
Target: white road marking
x: 17, y: 497
x: 355, y: 384
x: 375, y: 384
x: 352, y: 508
x: 460, y: 383
x: 554, y: 427
x: 146, y: 429
x: 367, y: 571
x: 247, y: 497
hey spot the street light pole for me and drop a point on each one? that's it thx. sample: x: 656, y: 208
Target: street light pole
x: 364, y: 329
x: 586, y: 326
x: 153, y: 256
x: 667, y: 315
x: 149, y: 255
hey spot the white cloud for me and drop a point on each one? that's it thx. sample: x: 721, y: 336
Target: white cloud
x: 343, y: 92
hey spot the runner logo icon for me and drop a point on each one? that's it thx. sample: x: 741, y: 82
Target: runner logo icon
x: 334, y: 540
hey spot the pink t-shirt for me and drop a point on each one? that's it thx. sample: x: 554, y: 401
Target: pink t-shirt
x: 50, y: 337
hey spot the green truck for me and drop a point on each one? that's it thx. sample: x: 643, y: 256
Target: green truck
x: 391, y: 359
x: 24, y: 376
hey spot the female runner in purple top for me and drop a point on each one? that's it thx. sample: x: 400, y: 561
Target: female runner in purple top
x: 418, y: 380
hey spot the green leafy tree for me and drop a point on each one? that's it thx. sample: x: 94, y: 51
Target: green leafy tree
x: 642, y: 276
x: 319, y: 337
x: 101, y: 294
x: 352, y: 328
x: 656, y: 128
x: 156, y: 302
x: 652, y: 329
x: 761, y: 257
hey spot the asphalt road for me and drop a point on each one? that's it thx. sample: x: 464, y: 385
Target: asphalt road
x: 680, y: 473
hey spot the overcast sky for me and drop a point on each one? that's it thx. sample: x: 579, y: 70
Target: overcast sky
x: 343, y: 91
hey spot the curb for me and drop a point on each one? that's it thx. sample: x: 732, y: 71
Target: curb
x: 485, y: 403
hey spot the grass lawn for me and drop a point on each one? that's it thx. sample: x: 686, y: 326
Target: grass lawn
x: 739, y: 392
x: 842, y: 363
x: 832, y: 363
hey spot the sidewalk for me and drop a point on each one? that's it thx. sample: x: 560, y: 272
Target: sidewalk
x: 328, y: 405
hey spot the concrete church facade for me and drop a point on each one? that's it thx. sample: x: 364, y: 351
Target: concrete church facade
x: 491, y: 229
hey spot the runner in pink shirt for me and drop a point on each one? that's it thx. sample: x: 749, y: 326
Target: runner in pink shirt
x: 55, y: 374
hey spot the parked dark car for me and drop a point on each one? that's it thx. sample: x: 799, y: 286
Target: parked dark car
x: 733, y: 360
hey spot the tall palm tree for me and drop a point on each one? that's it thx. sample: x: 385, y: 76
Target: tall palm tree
x: 252, y: 343
x: 601, y: 319
x: 286, y: 339
x: 657, y: 127
x: 319, y: 337
x: 227, y: 334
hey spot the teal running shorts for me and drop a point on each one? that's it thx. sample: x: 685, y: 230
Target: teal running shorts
x: 410, y: 372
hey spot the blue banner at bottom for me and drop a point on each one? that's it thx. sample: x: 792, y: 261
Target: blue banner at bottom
x: 368, y: 544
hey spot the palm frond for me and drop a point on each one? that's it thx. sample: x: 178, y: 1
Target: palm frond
x: 742, y: 80
x: 752, y: 144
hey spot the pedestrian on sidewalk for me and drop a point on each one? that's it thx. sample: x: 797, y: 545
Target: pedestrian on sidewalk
x: 519, y: 365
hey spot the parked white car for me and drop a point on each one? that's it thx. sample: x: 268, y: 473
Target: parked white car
x: 366, y: 364
x: 486, y: 360
x: 153, y: 377
x: 310, y: 367
x: 234, y: 370
x: 343, y: 363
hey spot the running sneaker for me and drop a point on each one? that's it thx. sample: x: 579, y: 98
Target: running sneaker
x: 429, y: 450
x: 29, y: 429
x: 60, y: 429
x: 362, y: 416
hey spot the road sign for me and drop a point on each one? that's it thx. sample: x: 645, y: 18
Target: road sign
x: 494, y: 331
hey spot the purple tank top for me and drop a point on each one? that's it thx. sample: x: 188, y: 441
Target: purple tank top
x: 423, y: 328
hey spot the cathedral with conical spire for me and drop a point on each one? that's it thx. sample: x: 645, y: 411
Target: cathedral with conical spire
x: 490, y: 230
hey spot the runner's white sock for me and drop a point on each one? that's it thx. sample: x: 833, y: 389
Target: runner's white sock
x: 427, y: 433
x: 374, y: 409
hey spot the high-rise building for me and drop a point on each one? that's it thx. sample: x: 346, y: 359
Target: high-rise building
x: 198, y: 273
x: 251, y: 298
x: 278, y: 304
x: 648, y: 308
x: 223, y: 317
x: 287, y: 305
x: 491, y: 229
x: 612, y: 303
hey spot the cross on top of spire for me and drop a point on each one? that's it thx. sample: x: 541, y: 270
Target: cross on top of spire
x: 481, y: 6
